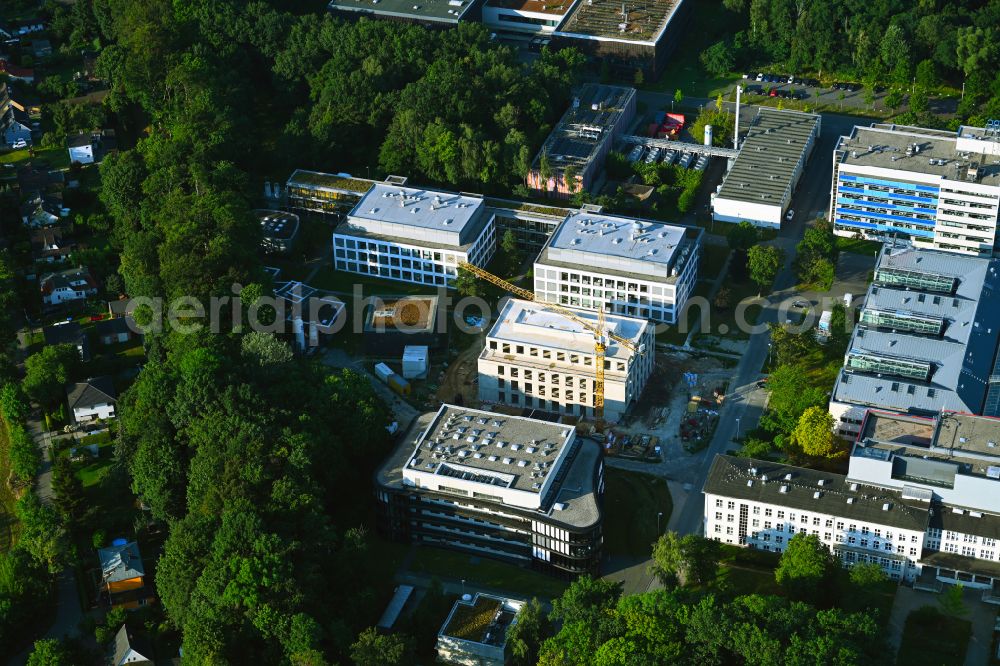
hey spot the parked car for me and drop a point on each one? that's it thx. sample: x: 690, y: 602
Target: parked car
x: 760, y: 77
x: 773, y: 92
x: 790, y: 215
x: 754, y: 90
x: 20, y: 143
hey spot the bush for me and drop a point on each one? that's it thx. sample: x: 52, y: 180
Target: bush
x: 686, y: 201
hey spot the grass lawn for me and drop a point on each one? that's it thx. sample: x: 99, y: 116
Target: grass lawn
x: 56, y: 157
x: 931, y: 638
x: 8, y: 521
x: 713, y: 257
x: 857, y: 246
x: 631, y: 503
x: 724, y: 321
x: 451, y: 564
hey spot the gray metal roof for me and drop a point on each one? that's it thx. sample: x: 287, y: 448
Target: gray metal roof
x: 121, y: 562
x: 892, y: 147
x: 961, y: 359
x: 774, y: 145
x: 744, y: 478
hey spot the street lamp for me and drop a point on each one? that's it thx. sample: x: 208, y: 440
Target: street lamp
x: 463, y: 587
x: 658, y: 516
x: 737, y: 428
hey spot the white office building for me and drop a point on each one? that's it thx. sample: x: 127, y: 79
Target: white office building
x: 626, y: 266
x: 950, y: 464
x: 759, y: 186
x: 938, y: 189
x: 540, y: 359
x: 518, y: 489
x: 762, y: 505
x: 414, y: 235
x: 921, y: 499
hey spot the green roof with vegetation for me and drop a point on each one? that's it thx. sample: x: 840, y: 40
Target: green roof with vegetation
x: 469, y: 621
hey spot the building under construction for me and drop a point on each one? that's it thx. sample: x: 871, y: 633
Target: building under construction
x: 628, y: 36
x: 573, y: 154
x: 395, y: 322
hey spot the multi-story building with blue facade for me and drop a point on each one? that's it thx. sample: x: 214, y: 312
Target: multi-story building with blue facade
x: 937, y: 189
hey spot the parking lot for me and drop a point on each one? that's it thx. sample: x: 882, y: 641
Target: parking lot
x: 788, y: 86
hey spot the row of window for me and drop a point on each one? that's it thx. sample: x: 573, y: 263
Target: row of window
x: 585, y: 360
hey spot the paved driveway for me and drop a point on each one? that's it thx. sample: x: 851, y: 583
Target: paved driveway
x: 981, y: 615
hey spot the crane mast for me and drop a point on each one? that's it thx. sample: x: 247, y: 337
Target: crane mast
x: 601, y: 335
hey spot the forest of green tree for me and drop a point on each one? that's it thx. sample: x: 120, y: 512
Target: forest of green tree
x: 260, y: 463
x: 911, y: 47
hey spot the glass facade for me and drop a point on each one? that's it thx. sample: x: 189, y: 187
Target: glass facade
x: 903, y: 321
x: 889, y: 365
x: 919, y: 280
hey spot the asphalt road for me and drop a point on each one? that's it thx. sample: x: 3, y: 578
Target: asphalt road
x: 810, y: 200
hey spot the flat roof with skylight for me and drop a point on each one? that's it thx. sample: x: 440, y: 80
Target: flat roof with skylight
x: 919, y: 150
x: 927, y: 335
x: 418, y: 215
x: 528, y: 323
x: 626, y: 245
x: 512, y: 458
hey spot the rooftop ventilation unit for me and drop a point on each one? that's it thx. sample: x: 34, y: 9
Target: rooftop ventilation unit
x: 887, y: 506
x: 817, y: 494
x: 783, y: 489
x: 850, y: 500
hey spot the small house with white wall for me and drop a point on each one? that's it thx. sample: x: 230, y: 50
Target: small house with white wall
x: 93, y: 399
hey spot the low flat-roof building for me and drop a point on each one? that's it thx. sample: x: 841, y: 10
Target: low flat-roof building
x: 319, y: 192
x: 414, y: 235
x: 581, y: 140
x: 518, y: 489
x: 926, y: 339
x: 475, y: 632
x: 631, y: 267
x: 278, y: 230
x: 759, y: 186
x: 627, y: 36
x: 436, y: 13
x: 539, y: 359
x: 938, y: 189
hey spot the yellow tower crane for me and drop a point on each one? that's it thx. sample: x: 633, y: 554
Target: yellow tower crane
x: 601, y: 335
